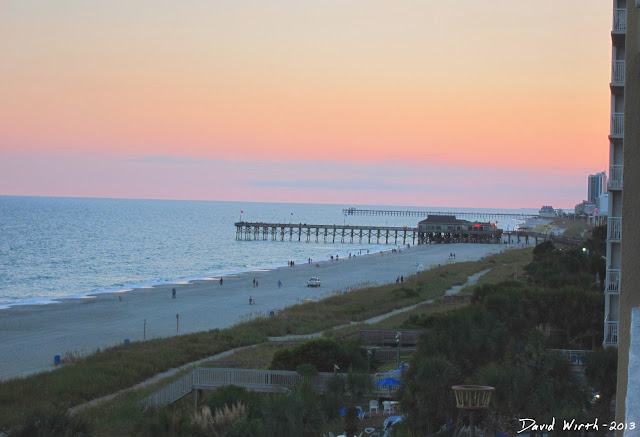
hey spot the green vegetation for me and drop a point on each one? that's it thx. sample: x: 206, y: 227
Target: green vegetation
x: 503, y: 339
x: 322, y: 353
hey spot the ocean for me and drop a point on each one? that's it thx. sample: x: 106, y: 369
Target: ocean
x: 55, y: 248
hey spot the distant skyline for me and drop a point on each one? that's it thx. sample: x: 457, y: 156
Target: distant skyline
x: 473, y: 104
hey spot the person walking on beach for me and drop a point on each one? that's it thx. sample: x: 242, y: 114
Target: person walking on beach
x: 254, y: 282
x: 401, y: 279
x: 173, y: 293
x: 279, y: 283
x: 220, y: 281
x: 250, y: 300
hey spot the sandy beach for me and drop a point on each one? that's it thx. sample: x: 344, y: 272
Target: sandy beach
x: 33, y: 335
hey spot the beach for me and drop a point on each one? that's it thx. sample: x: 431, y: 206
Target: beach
x: 32, y: 335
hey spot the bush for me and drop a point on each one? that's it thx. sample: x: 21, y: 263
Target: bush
x: 57, y: 423
x: 322, y: 353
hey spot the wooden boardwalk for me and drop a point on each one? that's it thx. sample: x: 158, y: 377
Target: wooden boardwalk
x: 409, y: 213
x: 204, y: 378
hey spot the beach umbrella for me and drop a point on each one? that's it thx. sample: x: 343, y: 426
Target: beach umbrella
x: 390, y: 381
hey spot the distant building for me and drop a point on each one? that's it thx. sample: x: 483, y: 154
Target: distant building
x: 585, y: 208
x: 547, y: 211
x: 449, y: 229
x: 597, y: 186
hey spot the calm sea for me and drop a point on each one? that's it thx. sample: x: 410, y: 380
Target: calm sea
x: 55, y: 248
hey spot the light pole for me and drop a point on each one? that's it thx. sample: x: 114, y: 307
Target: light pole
x: 398, y: 342
x: 369, y: 361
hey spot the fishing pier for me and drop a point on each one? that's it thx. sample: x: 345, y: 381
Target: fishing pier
x: 326, y: 233
x: 442, y: 231
x: 409, y: 213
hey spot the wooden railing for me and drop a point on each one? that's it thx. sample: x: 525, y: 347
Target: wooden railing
x: 203, y: 378
x: 171, y: 393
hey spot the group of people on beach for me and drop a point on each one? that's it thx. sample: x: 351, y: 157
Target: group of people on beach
x: 452, y: 255
x: 400, y: 279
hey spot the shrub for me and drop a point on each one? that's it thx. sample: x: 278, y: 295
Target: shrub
x: 56, y: 423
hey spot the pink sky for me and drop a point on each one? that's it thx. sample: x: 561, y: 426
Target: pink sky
x: 477, y: 104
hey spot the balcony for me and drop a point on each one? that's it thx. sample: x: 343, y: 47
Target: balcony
x: 612, y: 283
x: 615, y: 177
x: 619, y: 20
x: 610, y: 334
x: 614, y: 229
x: 617, y: 125
x: 617, y: 73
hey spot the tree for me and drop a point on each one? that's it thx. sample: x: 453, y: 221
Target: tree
x: 601, y: 369
x: 427, y: 395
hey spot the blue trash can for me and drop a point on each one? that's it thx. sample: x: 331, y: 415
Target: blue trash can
x: 57, y: 359
x: 272, y: 313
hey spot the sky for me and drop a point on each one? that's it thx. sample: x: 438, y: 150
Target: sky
x: 494, y: 104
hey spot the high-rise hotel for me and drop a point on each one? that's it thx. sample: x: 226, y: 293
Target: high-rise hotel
x: 622, y: 285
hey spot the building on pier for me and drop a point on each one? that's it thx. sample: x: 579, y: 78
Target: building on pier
x: 448, y: 229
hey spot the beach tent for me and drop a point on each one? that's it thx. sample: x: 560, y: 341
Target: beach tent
x: 397, y: 373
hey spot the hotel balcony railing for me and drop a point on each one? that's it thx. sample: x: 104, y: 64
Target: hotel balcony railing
x: 617, y: 124
x: 614, y: 228
x: 617, y: 73
x: 619, y: 20
x: 612, y: 283
x: 611, y: 333
x: 615, y: 177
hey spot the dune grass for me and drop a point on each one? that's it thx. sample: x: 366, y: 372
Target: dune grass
x: 123, y: 366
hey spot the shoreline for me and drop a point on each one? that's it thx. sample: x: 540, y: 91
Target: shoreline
x: 129, y: 287
x: 34, y: 334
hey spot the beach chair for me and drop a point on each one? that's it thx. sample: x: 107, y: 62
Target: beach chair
x: 361, y: 413
x: 386, y: 407
x: 373, y: 405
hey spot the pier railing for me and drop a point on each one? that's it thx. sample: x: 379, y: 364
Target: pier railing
x: 410, y: 213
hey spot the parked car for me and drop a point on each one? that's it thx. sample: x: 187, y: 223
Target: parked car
x: 313, y: 282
